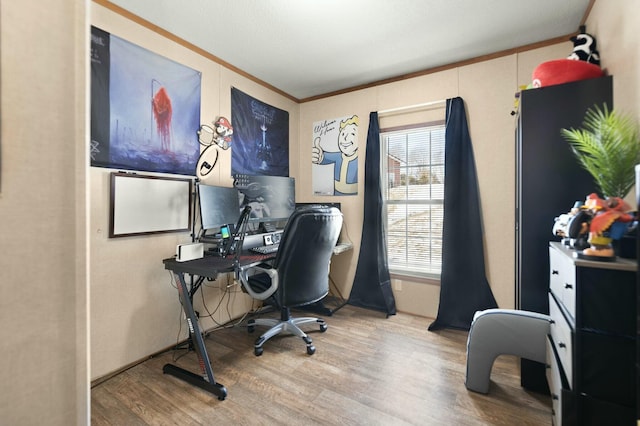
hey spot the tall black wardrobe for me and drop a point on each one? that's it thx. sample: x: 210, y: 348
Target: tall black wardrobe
x: 548, y: 181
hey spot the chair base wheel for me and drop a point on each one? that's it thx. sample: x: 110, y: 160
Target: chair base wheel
x: 285, y: 324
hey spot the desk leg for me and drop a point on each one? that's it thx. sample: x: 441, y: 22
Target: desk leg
x: 205, y: 381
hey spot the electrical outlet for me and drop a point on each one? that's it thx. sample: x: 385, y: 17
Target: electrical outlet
x: 397, y: 285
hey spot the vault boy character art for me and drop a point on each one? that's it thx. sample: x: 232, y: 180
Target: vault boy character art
x: 344, y: 159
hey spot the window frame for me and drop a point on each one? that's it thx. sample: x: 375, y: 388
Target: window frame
x: 398, y: 270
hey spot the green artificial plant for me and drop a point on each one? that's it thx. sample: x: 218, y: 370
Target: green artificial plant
x: 608, y: 147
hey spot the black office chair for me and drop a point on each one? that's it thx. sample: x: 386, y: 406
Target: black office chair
x: 299, y: 275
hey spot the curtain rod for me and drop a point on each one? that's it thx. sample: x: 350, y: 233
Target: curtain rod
x: 417, y: 106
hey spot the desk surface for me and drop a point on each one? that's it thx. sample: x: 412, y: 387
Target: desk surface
x: 210, y: 266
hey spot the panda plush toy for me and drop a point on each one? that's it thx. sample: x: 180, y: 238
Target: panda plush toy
x: 582, y: 64
x: 584, y: 48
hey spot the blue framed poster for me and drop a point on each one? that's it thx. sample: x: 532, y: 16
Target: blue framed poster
x: 145, y: 108
x: 260, y: 137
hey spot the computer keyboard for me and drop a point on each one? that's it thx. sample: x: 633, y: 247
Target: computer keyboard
x: 265, y: 249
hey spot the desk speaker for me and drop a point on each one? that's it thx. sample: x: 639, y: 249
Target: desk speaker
x: 191, y: 251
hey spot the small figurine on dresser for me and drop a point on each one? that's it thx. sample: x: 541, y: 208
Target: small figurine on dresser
x: 610, y: 219
x: 573, y: 227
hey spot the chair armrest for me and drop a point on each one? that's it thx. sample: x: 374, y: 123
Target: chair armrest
x: 244, y: 280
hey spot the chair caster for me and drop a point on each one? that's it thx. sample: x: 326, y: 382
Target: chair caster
x: 258, y: 351
x: 323, y: 327
x: 310, y: 348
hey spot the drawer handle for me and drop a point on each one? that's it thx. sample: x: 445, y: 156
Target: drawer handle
x: 555, y: 397
x: 562, y: 345
x: 554, y: 272
x: 567, y: 285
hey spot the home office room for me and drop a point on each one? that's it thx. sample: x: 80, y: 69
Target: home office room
x: 399, y: 340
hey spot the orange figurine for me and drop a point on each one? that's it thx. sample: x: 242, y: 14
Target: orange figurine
x: 602, y: 230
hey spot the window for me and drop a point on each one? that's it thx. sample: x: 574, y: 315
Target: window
x: 413, y: 191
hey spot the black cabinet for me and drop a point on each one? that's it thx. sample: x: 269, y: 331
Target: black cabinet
x: 548, y: 181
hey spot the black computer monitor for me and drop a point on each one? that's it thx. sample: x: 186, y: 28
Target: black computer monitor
x: 272, y: 198
x: 218, y: 206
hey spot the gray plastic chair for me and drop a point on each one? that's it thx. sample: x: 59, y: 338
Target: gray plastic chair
x: 497, y: 332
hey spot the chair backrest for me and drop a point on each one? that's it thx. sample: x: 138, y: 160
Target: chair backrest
x: 304, y: 254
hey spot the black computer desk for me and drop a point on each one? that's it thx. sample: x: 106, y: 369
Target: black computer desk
x: 198, y: 270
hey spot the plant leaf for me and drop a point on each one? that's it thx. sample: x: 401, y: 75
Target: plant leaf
x: 608, y: 147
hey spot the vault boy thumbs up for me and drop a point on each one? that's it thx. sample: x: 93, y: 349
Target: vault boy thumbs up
x: 317, y: 153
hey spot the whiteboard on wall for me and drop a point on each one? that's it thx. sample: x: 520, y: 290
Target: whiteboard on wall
x: 142, y: 204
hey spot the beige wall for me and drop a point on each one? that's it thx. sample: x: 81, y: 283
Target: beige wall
x: 615, y: 24
x: 134, y: 305
x: 43, y: 307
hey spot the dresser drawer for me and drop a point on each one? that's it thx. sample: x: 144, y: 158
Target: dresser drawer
x: 607, y: 367
x: 561, y: 337
x: 607, y: 301
x: 596, y: 412
x: 562, y: 280
x: 555, y: 385
x: 562, y: 399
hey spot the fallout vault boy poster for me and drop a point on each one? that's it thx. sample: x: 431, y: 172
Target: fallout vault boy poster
x: 335, y: 156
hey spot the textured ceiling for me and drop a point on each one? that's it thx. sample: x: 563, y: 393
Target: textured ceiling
x: 307, y: 48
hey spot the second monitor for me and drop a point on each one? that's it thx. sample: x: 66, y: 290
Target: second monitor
x: 218, y: 206
x: 272, y: 198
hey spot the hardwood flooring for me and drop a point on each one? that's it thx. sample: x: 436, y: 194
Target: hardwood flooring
x: 367, y: 370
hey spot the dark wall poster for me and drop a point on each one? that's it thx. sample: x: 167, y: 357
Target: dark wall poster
x: 145, y: 108
x: 260, y: 137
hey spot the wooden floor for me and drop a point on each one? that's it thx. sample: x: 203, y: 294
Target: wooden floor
x: 367, y: 370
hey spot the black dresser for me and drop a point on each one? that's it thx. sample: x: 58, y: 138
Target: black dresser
x: 591, y: 348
